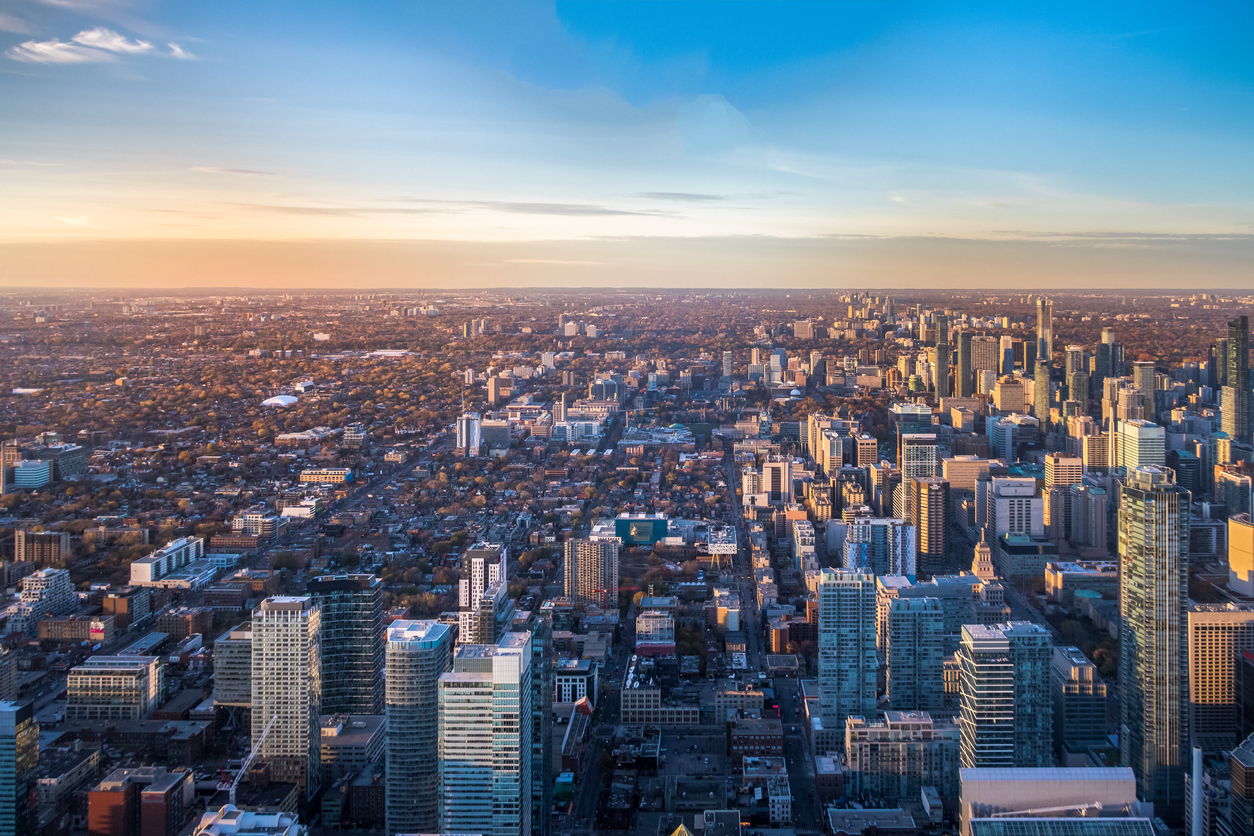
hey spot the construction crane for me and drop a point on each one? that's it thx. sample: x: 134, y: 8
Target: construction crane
x: 243, y: 767
x: 1096, y: 805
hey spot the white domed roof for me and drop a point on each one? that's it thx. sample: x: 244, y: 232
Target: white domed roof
x: 279, y: 400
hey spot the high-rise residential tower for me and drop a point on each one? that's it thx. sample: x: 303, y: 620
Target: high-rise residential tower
x: 1006, y: 713
x: 1045, y: 330
x: 483, y: 566
x: 287, y: 689
x: 1153, y: 642
x: 929, y: 514
x: 964, y: 383
x: 1145, y: 379
x: 590, y: 571
x: 915, y: 652
x: 848, y: 663
x: 1235, y: 397
x: 418, y: 654
x: 352, y: 642
x: 942, y: 356
x: 485, y: 739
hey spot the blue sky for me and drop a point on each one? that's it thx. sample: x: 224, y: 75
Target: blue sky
x: 542, y: 129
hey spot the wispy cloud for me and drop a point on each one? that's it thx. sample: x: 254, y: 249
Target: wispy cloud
x: 110, y: 41
x: 681, y: 196
x: 98, y: 45
x: 239, y: 172
x: 56, y: 52
x: 82, y: 220
x: 338, y: 211
x: 528, y: 208
x: 12, y: 23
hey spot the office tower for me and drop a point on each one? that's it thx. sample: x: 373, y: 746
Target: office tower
x: 1006, y: 712
x: 590, y: 572
x: 1218, y: 633
x: 1078, y: 391
x: 1141, y: 444
x: 985, y: 354
x: 727, y: 364
x: 915, y: 652
x: 485, y: 728
x: 19, y: 765
x: 964, y: 383
x: 880, y: 546
x: 1009, y: 396
x: 1061, y: 469
x: 1079, y: 697
x: 540, y: 625
x: 1109, y: 359
x: 287, y: 689
x: 1040, y: 393
x: 898, y: 756
x: 1235, y: 394
x: 494, y: 390
x: 929, y: 514
x: 1153, y: 525
x: 468, y: 434
x: 352, y: 642
x: 1074, y: 358
x: 755, y: 356
x: 1045, y: 330
x: 942, y: 356
x: 1235, y: 491
x: 1006, y: 364
x: 777, y: 479
x: 1241, y: 554
x: 918, y: 455
x: 418, y: 654
x: 1145, y: 380
x: 847, y: 659
x: 233, y: 672
x: 1188, y: 470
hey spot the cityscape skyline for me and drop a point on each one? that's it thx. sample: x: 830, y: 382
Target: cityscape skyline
x: 429, y: 145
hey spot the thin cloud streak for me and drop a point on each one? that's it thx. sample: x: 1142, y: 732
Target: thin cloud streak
x: 240, y: 172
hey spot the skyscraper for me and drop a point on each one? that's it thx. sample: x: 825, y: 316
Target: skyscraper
x: 418, y: 654
x: 352, y: 642
x: 1044, y: 330
x: 483, y: 566
x: 1235, y: 397
x: 19, y: 763
x: 590, y: 571
x: 847, y: 656
x: 1218, y: 633
x: 942, y: 356
x: 964, y: 383
x: 985, y: 354
x: 287, y: 689
x: 915, y: 652
x: 1006, y: 712
x: 485, y: 739
x: 1153, y: 642
x: 929, y: 514
x: 1040, y: 393
x: 468, y: 433
x: 1144, y: 378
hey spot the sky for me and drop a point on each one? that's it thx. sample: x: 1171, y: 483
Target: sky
x: 706, y: 144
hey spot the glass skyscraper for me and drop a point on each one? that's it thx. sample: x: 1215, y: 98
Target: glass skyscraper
x: 352, y: 642
x: 1153, y: 639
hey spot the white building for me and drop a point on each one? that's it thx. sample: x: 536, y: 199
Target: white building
x: 485, y: 739
x: 231, y: 821
x: 287, y: 688
x: 46, y: 592
x: 468, y: 433
x: 1013, y: 506
x: 175, y: 555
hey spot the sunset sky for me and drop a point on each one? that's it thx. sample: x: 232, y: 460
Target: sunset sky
x: 336, y: 144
